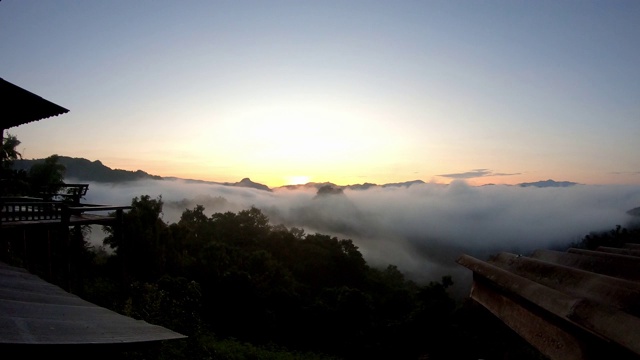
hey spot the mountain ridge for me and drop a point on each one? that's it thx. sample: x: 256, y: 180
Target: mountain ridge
x: 86, y: 170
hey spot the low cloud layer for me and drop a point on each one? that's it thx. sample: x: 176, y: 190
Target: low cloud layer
x: 422, y: 228
x: 477, y: 173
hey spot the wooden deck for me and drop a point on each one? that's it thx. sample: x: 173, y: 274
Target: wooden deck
x: 35, y: 312
x: 38, y: 317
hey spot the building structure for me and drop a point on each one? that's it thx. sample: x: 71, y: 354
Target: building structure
x: 37, y: 316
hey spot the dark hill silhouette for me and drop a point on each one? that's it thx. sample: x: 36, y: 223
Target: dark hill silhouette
x: 329, y: 190
x: 634, y: 212
x: 365, y: 186
x: 404, y: 184
x: 86, y: 170
x: 549, y: 183
x: 246, y: 183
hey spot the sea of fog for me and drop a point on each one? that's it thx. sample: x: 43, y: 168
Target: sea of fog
x: 422, y: 228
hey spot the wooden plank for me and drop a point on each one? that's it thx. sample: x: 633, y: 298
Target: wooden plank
x: 621, y: 267
x: 629, y: 252
x: 547, y: 336
x: 623, y: 294
x: 612, y: 256
x: 34, y: 312
x: 600, y: 320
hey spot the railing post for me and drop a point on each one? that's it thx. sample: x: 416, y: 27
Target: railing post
x: 119, y: 224
x: 65, y: 234
x: 49, y: 259
x: 118, y: 234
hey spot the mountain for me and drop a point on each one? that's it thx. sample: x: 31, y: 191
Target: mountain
x: 549, y: 183
x: 329, y: 190
x: 634, y: 212
x: 309, y: 185
x: 404, y: 184
x: 86, y: 170
x: 365, y: 186
x: 246, y: 182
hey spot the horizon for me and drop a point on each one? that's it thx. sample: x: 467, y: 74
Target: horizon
x: 348, y: 93
x: 314, y: 182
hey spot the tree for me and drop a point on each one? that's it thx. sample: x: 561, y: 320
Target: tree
x: 47, y: 176
x: 245, y: 228
x: 8, y: 152
x: 14, y: 182
x: 613, y: 238
x: 142, y: 246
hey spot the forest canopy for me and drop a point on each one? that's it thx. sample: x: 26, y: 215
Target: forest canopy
x: 240, y: 276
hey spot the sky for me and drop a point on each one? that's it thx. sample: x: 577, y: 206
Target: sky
x: 349, y: 92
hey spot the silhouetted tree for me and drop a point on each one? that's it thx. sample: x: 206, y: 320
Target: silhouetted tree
x: 9, y: 152
x: 141, y: 247
x: 612, y: 238
x: 47, y: 176
x: 13, y: 182
x: 268, y: 284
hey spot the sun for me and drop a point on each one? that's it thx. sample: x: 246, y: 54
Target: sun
x: 297, y: 180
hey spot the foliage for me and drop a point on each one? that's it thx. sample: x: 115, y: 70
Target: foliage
x: 8, y: 151
x: 612, y: 238
x: 171, y: 302
x: 233, y: 349
x: 243, y: 288
x: 267, y: 284
x: 141, y: 245
x: 47, y: 176
x: 14, y: 182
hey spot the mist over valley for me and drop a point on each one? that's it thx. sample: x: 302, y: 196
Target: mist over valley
x: 420, y: 227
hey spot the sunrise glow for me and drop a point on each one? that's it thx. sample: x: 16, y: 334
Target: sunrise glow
x: 297, y: 180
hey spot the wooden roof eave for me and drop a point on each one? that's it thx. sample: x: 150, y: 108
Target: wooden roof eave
x: 20, y: 106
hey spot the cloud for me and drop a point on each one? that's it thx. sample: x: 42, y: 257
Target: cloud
x: 422, y: 228
x: 476, y: 174
x: 625, y: 173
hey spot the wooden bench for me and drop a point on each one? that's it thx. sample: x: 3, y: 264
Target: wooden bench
x: 69, y: 192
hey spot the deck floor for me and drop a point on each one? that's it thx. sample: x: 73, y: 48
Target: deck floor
x: 33, y: 311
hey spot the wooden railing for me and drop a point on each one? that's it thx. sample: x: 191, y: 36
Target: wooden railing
x: 31, y: 211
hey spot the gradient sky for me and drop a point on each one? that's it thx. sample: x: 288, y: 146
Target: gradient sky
x: 340, y: 91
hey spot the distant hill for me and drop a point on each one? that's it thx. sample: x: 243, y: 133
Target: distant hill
x: 404, y: 184
x: 634, y: 211
x: 549, y: 183
x: 246, y: 183
x: 329, y: 190
x: 309, y: 185
x: 86, y: 170
x: 365, y: 186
